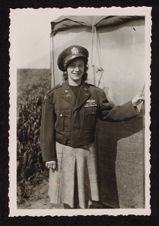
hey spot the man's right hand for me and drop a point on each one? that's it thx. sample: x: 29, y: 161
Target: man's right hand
x: 51, y: 165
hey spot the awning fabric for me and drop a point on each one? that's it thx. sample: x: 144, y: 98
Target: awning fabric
x: 70, y: 22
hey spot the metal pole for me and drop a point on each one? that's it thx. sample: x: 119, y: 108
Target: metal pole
x: 93, y: 55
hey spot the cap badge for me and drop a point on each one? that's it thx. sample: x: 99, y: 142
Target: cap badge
x: 74, y: 50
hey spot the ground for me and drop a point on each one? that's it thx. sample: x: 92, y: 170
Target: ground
x: 37, y: 196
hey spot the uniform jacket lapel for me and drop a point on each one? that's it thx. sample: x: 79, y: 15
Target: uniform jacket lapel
x: 83, y: 95
x: 67, y: 94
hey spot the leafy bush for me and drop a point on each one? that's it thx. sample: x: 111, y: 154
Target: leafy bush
x: 32, y: 85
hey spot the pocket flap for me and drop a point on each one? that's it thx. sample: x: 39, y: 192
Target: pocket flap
x: 90, y: 111
x: 64, y: 114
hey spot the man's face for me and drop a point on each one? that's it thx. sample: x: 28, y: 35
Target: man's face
x: 75, y: 70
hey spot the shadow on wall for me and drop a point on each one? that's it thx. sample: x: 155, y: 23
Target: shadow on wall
x: 121, y: 162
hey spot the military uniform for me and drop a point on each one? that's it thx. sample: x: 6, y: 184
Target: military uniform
x: 68, y: 133
x: 71, y: 122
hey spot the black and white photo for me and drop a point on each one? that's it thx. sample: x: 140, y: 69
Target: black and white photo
x: 80, y: 111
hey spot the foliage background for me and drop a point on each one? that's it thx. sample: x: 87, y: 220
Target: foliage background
x: 32, y: 84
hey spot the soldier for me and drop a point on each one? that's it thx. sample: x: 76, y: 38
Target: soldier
x: 69, y: 116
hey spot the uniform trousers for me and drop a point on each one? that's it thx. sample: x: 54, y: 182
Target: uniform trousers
x: 81, y: 161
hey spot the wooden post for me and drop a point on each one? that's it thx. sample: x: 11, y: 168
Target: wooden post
x: 52, y: 68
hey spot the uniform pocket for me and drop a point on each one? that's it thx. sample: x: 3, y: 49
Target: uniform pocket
x: 90, y: 115
x: 63, y: 121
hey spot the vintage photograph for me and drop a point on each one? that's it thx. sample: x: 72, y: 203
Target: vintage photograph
x: 79, y: 136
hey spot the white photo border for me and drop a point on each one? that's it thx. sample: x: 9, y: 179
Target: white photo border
x: 13, y: 210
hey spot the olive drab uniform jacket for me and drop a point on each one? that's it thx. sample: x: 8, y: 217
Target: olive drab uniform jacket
x: 72, y: 121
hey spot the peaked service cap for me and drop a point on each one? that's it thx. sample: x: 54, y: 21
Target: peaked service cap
x: 71, y: 53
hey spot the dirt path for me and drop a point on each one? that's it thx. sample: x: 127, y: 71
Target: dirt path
x: 38, y: 197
